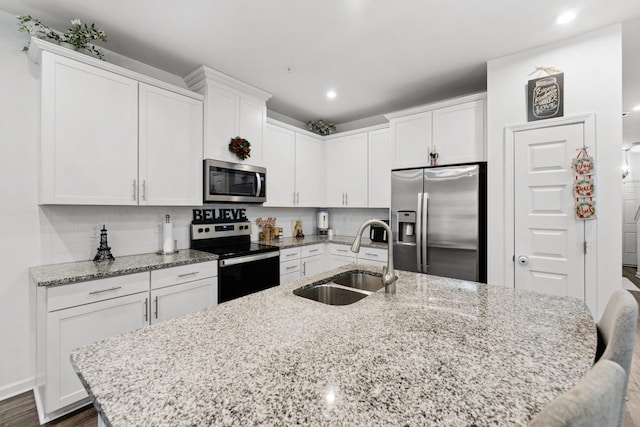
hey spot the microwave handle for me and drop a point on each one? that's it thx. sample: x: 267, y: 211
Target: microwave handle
x: 258, y: 184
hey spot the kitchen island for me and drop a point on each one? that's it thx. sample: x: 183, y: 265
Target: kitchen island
x: 439, y: 352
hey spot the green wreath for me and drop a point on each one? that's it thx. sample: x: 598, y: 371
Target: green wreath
x: 240, y: 147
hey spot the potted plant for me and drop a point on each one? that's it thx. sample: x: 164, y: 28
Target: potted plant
x: 78, y: 36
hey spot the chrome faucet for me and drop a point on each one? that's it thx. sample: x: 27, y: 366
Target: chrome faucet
x: 388, y: 273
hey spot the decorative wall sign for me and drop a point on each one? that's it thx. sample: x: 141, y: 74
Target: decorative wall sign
x: 583, y: 187
x: 545, y: 97
x: 207, y: 216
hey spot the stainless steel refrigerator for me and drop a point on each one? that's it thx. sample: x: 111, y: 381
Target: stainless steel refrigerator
x: 438, y: 219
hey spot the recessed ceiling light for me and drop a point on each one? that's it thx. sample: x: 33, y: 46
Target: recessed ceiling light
x: 566, y: 17
x: 331, y: 94
x: 636, y: 108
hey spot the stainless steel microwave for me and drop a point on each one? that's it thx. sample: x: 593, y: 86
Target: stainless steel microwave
x: 233, y: 182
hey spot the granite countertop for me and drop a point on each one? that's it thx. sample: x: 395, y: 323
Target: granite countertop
x: 292, y: 242
x: 71, y: 272
x: 440, y: 352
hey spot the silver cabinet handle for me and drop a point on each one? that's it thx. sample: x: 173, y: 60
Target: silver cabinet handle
x: 146, y: 309
x: 314, y: 250
x: 304, y: 268
x: 341, y: 250
x: 291, y: 267
x: 294, y: 197
x: 297, y: 198
x: 156, y: 312
x: 193, y: 273
x: 346, y: 199
x: 134, y: 189
x: 342, y: 199
x: 370, y: 254
x: 290, y: 255
x: 105, y: 290
x: 144, y: 189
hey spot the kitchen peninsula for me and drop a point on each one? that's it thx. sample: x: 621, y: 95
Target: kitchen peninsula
x: 439, y: 352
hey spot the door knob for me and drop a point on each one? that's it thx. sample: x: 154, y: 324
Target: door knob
x: 523, y: 260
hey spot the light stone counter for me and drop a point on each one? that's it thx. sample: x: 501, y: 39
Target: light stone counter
x: 71, y: 272
x: 441, y: 352
x: 292, y: 242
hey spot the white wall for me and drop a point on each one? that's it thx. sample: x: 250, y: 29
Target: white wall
x: 592, y: 65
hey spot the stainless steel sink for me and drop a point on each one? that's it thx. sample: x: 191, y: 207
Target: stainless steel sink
x: 343, y: 289
x: 360, y: 280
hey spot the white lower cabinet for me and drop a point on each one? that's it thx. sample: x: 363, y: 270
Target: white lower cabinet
x: 340, y: 255
x: 74, y: 327
x: 373, y: 256
x: 174, y: 301
x: 301, y: 262
x: 78, y: 314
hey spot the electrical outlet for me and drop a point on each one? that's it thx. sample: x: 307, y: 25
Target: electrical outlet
x: 94, y: 231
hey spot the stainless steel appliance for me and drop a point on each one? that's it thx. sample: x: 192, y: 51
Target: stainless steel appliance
x: 438, y: 219
x: 378, y: 233
x: 243, y: 267
x: 323, y: 223
x: 233, y: 182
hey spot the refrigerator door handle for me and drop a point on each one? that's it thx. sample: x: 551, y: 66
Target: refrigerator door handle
x: 424, y: 220
x: 418, y: 231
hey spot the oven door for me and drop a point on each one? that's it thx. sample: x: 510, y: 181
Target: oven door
x: 245, y: 275
x: 231, y: 182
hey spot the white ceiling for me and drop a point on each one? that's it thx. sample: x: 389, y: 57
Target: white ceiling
x: 378, y: 55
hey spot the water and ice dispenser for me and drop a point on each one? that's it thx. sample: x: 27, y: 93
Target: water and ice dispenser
x: 407, y: 227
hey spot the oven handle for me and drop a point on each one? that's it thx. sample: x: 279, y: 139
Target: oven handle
x: 249, y: 258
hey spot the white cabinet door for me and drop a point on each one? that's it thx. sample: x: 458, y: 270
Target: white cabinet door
x: 89, y: 143
x: 170, y: 145
x: 411, y: 139
x: 312, y: 265
x: 309, y: 171
x: 252, y: 119
x: 74, y: 327
x: 279, y: 159
x: 346, y: 171
x: 334, y: 261
x: 222, y: 123
x: 173, y: 301
x: 380, y: 169
x: 458, y: 133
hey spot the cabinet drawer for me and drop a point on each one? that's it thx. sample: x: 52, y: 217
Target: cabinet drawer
x: 96, y: 290
x: 289, y: 254
x: 342, y: 250
x: 289, y: 266
x: 372, y: 254
x: 311, y: 250
x: 183, y: 274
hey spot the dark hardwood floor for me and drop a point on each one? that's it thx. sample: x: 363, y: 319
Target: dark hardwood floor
x: 20, y: 411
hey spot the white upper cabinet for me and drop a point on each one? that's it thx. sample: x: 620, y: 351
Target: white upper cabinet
x: 346, y: 171
x: 170, y: 148
x: 279, y: 159
x: 412, y: 139
x: 108, y: 138
x: 458, y: 132
x: 309, y: 171
x: 233, y: 108
x: 89, y: 143
x: 454, y: 129
x: 379, y: 169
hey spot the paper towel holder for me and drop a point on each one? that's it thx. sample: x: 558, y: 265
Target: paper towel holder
x: 167, y: 234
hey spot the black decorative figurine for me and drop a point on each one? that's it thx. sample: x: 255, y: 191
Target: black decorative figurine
x: 104, y: 251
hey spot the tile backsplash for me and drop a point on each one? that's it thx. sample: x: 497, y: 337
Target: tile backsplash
x: 72, y: 233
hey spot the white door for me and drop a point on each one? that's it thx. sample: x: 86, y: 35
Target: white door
x: 549, y: 241
x: 629, y: 232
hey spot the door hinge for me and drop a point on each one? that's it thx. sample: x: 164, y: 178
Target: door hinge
x: 585, y: 247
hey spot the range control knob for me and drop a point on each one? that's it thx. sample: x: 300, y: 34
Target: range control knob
x: 199, y: 230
